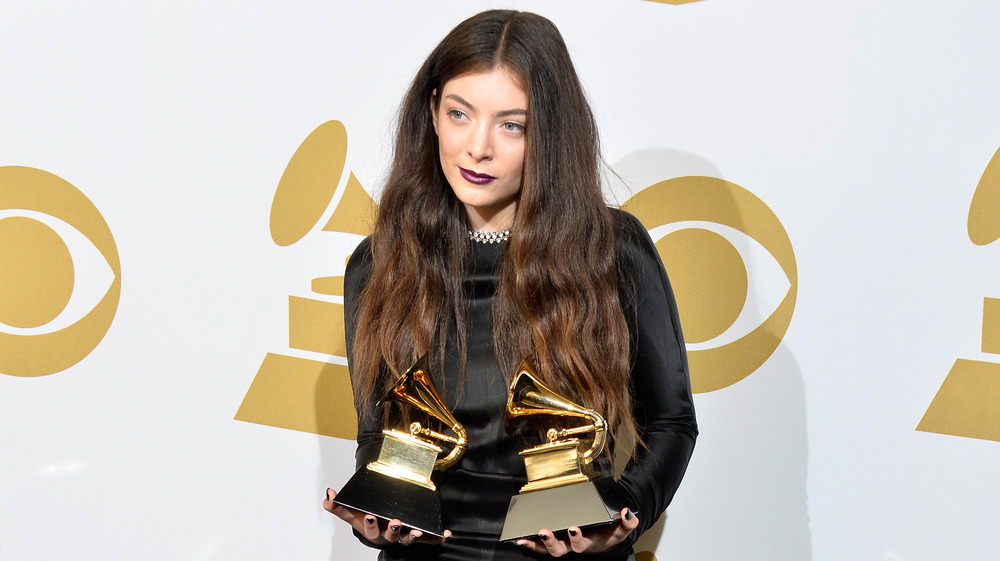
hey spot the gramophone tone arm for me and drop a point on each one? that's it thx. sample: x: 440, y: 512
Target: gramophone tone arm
x: 599, y: 428
x: 460, y: 443
x: 556, y: 434
x: 436, y: 435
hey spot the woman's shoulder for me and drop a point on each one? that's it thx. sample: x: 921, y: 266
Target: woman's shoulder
x: 626, y: 221
x: 362, y: 253
x: 632, y: 238
x: 359, y: 266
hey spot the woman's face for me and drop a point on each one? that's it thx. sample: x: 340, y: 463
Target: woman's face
x: 480, y: 120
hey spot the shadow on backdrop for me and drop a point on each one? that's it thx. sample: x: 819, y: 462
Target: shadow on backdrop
x: 733, y: 271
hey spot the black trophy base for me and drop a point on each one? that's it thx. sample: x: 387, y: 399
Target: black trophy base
x: 387, y: 498
x: 584, y: 505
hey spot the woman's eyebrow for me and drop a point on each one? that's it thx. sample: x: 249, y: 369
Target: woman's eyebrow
x: 461, y: 100
x: 509, y: 112
x: 505, y: 113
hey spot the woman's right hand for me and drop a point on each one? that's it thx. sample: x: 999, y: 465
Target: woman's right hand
x: 378, y: 532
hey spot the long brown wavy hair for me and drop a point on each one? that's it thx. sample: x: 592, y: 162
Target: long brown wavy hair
x: 558, y: 295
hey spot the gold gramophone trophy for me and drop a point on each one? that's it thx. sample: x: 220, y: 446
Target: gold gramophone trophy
x: 398, y: 485
x: 561, y: 490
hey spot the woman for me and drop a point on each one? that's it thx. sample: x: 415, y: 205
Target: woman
x: 493, y: 242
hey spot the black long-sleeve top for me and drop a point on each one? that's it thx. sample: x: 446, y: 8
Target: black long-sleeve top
x: 475, y: 493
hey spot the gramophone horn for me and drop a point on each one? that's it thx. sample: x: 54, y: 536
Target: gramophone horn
x: 529, y: 397
x: 416, y: 389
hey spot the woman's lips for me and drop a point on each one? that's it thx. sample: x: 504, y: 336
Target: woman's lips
x: 476, y: 178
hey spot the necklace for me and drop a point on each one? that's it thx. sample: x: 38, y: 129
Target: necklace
x: 489, y: 237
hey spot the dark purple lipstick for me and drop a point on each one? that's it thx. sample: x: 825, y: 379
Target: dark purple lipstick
x: 476, y: 178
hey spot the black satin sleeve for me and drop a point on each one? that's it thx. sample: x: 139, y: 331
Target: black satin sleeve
x: 660, y: 386
x: 369, y: 428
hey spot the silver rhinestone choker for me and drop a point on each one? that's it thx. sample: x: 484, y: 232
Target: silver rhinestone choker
x: 489, y: 237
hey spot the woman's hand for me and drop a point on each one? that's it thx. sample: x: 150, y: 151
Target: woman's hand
x: 597, y: 540
x: 379, y: 532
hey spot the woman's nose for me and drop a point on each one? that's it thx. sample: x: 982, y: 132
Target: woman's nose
x: 480, y: 144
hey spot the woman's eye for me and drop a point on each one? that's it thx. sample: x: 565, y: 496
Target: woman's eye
x: 511, y: 126
x: 456, y: 114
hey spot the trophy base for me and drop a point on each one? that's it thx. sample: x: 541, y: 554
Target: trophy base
x: 584, y: 505
x: 387, y: 498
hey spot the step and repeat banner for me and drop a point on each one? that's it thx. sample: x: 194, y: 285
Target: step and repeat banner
x: 181, y: 184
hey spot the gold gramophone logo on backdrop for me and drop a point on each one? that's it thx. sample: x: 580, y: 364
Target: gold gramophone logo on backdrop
x: 60, y: 276
x: 733, y: 272
x: 966, y: 404
x: 292, y: 392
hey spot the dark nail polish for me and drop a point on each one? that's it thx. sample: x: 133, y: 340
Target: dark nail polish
x: 370, y: 519
x: 572, y: 532
x: 395, y: 527
x: 543, y: 537
x: 328, y: 495
x: 628, y: 514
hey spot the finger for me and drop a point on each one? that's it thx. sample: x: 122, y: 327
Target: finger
x: 554, y: 547
x: 344, y: 513
x: 328, y: 499
x: 627, y: 522
x: 410, y: 537
x: 630, y: 521
x: 578, y: 542
x: 531, y: 545
x: 391, y: 533
x: 370, y: 529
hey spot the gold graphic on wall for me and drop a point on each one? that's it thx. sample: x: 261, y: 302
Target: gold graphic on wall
x: 674, y: 2
x: 709, y: 275
x: 36, y: 265
x: 308, y: 184
x: 293, y: 392
x: 46, y: 224
x: 984, y: 212
x: 967, y: 403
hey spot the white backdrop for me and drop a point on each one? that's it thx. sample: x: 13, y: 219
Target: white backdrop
x: 864, y: 126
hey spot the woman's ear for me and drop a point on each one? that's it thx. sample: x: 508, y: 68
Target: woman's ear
x: 434, y: 116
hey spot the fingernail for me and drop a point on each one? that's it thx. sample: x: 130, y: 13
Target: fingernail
x: 395, y: 527
x: 328, y: 495
x: 370, y: 519
x: 543, y: 537
x: 628, y: 514
x: 572, y: 532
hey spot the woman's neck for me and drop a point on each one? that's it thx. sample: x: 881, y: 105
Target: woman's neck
x: 491, y: 222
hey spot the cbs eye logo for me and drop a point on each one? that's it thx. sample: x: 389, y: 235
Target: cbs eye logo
x: 60, y: 277
x: 732, y: 269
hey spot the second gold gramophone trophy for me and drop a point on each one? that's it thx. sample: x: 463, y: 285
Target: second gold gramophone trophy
x: 561, y: 490
x: 398, y: 485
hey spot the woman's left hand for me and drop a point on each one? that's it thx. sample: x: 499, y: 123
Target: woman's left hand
x: 597, y: 540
